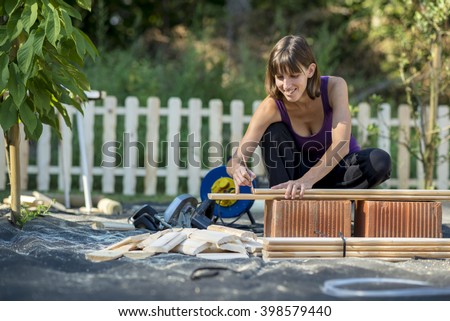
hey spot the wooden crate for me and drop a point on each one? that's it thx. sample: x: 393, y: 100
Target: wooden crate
x: 302, y: 218
x: 398, y: 219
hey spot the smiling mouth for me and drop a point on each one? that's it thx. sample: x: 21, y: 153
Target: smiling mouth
x: 289, y: 92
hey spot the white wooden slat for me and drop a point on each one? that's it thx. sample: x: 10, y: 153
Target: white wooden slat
x: 88, y: 125
x: 363, y: 120
x: 215, y: 149
x: 3, y: 168
x: 43, y: 159
x: 109, y: 145
x: 236, y: 125
x: 24, y: 148
x: 173, y: 145
x: 130, y: 145
x: 152, y: 146
x: 443, y: 123
x: 258, y: 162
x: 403, y: 157
x: 65, y: 157
x: 194, y: 143
x: 384, y: 117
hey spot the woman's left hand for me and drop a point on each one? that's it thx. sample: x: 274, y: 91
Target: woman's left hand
x: 294, y: 189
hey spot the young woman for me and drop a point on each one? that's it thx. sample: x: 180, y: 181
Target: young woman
x: 304, y: 130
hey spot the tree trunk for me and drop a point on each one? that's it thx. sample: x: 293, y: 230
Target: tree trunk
x: 431, y: 140
x: 12, y: 146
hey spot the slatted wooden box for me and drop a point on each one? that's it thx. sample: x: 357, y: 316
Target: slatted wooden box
x: 398, y: 219
x: 301, y: 218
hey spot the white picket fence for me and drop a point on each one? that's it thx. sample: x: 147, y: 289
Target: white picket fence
x: 223, y: 129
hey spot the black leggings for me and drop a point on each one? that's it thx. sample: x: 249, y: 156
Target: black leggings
x: 283, y: 161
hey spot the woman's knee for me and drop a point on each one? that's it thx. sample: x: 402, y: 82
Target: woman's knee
x: 381, y: 164
x: 276, y: 132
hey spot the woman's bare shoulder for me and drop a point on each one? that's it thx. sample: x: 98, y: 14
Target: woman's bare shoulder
x: 267, y: 112
x: 336, y: 83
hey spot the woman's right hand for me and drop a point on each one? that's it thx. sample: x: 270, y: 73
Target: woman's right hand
x: 242, y: 176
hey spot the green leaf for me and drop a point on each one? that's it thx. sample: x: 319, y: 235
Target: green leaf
x: 11, y: 5
x: 67, y: 22
x: 4, y: 71
x: 79, y: 40
x: 70, y: 10
x: 89, y: 45
x: 8, y: 114
x: 25, y: 54
x: 41, y: 96
x: 15, y: 85
x: 29, y: 15
x: 28, y: 117
x: 63, y: 111
x: 14, y: 26
x: 4, y: 37
x: 39, y: 42
x: 52, y: 26
x: 85, y: 4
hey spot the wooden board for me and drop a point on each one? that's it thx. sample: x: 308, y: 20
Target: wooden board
x: 341, y: 194
x: 233, y: 231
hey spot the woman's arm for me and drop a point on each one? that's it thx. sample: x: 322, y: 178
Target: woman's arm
x: 340, y: 132
x: 266, y: 113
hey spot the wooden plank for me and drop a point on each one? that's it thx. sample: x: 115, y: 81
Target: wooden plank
x: 138, y: 255
x: 166, y: 242
x: 355, y: 241
x: 270, y: 254
x: 302, y: 241
x: 367, y: 254
x: 194, y: 163
x: 303, y: 248
x: 362, y: 192
x: 109, y: 255
x: 48, y: 201
x: 113, y: 226
x: 233, y: 231
x: 173, y: 145
x: 152, y: 146
x: 130, y: 145
x: 232, y: 247
x: 109, y: 155
x: 222, y: 256
x: 213, y: 237
x: 153, y: 237
x: 409, y: 198
x: 252, y: 246
x: 191, y: 247
x: 129, y: 240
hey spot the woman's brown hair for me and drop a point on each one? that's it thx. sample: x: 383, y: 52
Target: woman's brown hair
x: 291, y: 54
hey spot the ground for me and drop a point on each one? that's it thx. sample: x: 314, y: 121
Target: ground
x: 46, y: 261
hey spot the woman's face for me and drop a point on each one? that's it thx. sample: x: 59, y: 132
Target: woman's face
x: 293, y: 84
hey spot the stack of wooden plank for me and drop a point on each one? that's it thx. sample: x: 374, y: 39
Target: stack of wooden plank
x: 217, y: 242
x: 391, y: 249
